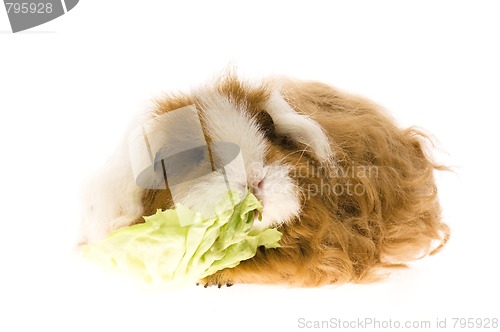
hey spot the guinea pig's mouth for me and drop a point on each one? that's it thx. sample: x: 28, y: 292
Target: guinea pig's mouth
x: 257, y: 216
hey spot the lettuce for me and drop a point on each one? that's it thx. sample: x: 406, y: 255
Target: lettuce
x: 178, y: 246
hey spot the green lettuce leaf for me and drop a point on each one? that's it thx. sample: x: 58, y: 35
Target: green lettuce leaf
x: 178, y: 246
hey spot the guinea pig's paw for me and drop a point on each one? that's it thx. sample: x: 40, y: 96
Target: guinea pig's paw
x: 218, y: 279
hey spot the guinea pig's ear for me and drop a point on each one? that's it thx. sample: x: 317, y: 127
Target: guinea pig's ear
x: 300, y: 128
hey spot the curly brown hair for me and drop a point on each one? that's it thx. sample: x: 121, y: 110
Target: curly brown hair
x: 391, y: 216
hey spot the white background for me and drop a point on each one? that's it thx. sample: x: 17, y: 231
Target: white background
x: 68, y: 89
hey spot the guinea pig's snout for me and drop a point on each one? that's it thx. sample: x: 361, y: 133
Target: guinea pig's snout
x: 256, y: 186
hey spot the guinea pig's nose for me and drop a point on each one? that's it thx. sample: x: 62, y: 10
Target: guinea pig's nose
x: 256, y: 183
x: 256, y: 187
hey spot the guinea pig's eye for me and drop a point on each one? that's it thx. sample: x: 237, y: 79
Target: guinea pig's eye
x: 266, y: 124
x: 287, y: 142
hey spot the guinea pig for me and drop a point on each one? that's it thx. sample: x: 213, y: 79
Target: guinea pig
x: 350, y: 191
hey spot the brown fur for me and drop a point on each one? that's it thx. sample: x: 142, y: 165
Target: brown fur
x: 339, y: 237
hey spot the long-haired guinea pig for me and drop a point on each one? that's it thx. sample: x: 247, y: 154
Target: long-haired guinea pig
x: 350, y: 191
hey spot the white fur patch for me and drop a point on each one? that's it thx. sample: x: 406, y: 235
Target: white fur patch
x: 111, y: 199
x: 299, y: 127
x: 279, y: 196
x: 227, y: 122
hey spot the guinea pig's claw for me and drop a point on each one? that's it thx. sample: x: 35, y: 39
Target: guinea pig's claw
x: 217, y: 279
x: 219, y: 285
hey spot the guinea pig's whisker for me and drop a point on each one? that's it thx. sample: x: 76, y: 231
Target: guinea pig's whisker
x: 302, y: 152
